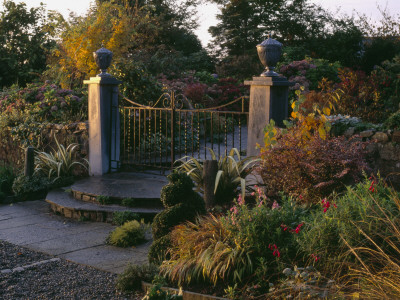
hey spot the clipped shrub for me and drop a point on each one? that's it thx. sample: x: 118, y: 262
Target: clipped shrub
x: 179, y: 190
x: 158, y: 250
x: 182, y: 204
x: 129, y: 202
x: 176, y: 177
x: 121, y: 217
x: 308, y: 72
x: 133, y: 275
x: 170, y: 217
x: 31, y: 188
x: 131, y: 233
x: 172, y: 194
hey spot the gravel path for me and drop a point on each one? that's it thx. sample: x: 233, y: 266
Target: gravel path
x: 59, y: 279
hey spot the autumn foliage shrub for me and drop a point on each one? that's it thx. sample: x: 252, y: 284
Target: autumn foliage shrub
x: 311, y: 169
x: 372, y: 97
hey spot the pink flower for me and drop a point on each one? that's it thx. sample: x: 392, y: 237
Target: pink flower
x: 275, y: 205
x: 240, y: 200
x: 234, y: 210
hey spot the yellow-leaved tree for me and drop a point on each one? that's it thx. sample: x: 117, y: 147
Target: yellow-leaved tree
x: 117, y: 26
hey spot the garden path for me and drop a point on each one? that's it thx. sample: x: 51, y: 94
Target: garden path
x: 32, y: 225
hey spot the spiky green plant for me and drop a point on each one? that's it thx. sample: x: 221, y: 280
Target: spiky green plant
x: 232, y: 172
x: 59, y: 162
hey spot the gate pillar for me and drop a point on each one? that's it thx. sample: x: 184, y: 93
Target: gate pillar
x: 268, y: 100
x: 268, y: 95
x: 104, y: 119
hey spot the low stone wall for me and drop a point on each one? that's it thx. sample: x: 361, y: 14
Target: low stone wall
x: 383, y: 151
x: 12, y: 152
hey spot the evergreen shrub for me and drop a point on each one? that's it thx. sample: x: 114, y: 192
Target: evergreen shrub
x: 158, y: 250
x: 130, y: 234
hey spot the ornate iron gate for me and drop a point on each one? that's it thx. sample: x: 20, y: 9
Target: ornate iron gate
x: 157, y: 135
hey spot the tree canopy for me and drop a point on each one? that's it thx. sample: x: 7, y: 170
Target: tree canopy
x: 26, y: 39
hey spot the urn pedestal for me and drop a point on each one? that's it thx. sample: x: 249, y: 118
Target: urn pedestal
x: 268, y: 96
x: 104, y: 118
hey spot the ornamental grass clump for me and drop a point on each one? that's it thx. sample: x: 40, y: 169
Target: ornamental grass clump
x: 345, y: 221
x: 247, y: 245
x: 376, y: 274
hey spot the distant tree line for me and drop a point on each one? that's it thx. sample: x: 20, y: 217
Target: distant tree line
x: 150, y: 37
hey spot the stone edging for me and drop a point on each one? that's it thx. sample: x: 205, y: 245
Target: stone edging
x: 23, y: 268
x: 186, y: 295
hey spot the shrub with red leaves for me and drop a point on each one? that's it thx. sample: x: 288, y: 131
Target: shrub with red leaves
x: 370, y: 97
x: 311, y: 169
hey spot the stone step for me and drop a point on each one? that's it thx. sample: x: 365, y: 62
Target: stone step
x: 144, y: 188
x: 62, y: 202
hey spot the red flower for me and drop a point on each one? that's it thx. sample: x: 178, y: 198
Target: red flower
x: 326, y: 204
x: 316, y: 258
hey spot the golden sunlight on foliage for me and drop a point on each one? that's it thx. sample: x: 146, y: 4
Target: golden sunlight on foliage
x: 309, y: 119
x: 117, y: 27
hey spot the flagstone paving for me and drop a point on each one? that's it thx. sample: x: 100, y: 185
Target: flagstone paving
x: 31, y: 224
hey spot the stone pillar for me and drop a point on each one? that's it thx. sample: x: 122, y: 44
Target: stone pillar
x: 268, y: 100
x: 104, y: 124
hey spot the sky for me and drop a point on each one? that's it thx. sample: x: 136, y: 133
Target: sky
x: 207, y: 13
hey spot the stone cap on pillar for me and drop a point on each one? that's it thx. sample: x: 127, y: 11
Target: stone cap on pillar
x: 102, y: 80
x: 269, y: 81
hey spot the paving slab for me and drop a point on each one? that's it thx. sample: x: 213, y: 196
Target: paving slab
x: 31, y: 224
x: 123, y: 185
x: 108, y: 258
x: 72, y: 242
